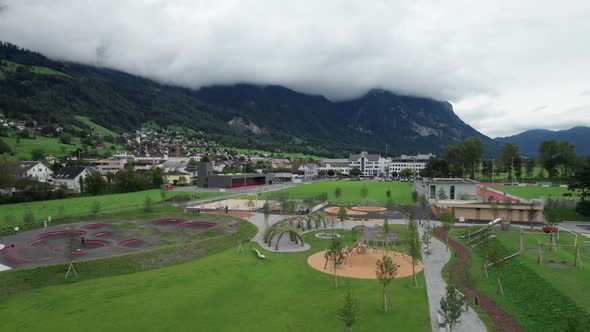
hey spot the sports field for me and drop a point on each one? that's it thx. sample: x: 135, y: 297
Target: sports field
x: 220, y: 292
x: 13, y: 213
x: 533, y: 191
x: 540, y: 297
x: 401, y: 192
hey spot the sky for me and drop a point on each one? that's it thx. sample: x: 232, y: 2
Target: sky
x: 506, y: 66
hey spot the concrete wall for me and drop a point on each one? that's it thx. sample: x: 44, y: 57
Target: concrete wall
x: 482, y: 212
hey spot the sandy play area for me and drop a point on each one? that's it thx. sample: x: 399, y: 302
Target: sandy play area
x: 334, y: 210
x: 233, y: 204
x: 363, y: 265
x: 368, y: 208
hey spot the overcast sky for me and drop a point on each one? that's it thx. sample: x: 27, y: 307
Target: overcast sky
x: 506, y: 66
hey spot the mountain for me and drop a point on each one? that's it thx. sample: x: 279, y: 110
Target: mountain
x: 242, y: 115
x: 529, y: 141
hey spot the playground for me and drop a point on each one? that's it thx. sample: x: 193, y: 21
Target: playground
x: 96, y: 239
x: 361, y: 265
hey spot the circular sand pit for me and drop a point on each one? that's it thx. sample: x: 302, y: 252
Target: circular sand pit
x: 94, y: 225
x: 334, y: 210
x: 363, y: 265
x: 132, y: 243
x: 365, y: 208
x: 198, y: 224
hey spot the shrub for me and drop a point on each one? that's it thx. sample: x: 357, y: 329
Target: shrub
x: 583, y: 208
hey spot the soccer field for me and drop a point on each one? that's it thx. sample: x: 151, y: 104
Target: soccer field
x: 533, y: 192
x: 401, y: 192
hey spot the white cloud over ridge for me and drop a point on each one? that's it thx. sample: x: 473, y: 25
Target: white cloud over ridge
x: 496, y: 61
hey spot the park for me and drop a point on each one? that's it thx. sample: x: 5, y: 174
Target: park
x: 284, y: 260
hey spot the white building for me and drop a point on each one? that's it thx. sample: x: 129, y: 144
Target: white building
x: 414, y: 163
x: 442, y: 189
x: 34, y: 170
x: 71, y: 176
x: 337, y: 165
x: 369, y: 164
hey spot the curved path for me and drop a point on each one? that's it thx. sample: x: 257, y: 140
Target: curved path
x: 436, y: 288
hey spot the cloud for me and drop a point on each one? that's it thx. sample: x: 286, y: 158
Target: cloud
x: 509, y: 56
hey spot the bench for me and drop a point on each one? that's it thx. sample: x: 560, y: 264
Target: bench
x: 261, y: 256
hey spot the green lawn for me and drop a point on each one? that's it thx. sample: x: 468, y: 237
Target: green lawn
x: 9, y: 66
x: 80, y: 206
x: 23, y: 149
x: 96, y: 128
x: 220, y: 292
x: 401, y: 192
x: 533, y: 192
x: 540, y: 297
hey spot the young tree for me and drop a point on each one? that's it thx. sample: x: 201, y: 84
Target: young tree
x: 532, y: 214
x: 426, y: 237
x: 148, y: 204
x: 494, y: 209
x: 335, y: 254
x: 386, y: 270
x: 472, y: 152
x: 415, y: 197
x: 95, y: 208
x: 28, y: 217
x: 496, y: 256
x: 508, y: 155
x: 266, y: 212
x: 341, y: 215
x: 414, y: 247
x: 337, y: 193
x: 163, y: 194
x: 451, y: 306
x: 60, y: 213
x: 425, y: 206
x: 441, y: 194
x: 388, y: 194
x: 405, y: 173
x: 364, y: 191
x: 349, y: 310
x: 448, y: 220
x: 250, y: 203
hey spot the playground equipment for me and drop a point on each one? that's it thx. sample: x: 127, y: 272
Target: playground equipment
x: 258, y: 254
x: 481, y: 235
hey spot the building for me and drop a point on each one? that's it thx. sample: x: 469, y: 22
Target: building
x: 443, y: 189
x: 414, y: 163
x: 34, y: 170
x: 336, y: 165
x: 309, y: 171
x: 369, y: 164
x: 71, y: 176
x: 206, y: 178
x: 105, y: 166
x: 466, y: 211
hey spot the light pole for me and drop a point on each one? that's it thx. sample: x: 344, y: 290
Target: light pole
x: 512, y: 171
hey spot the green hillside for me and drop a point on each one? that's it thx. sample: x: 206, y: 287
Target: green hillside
x: 96, y: 128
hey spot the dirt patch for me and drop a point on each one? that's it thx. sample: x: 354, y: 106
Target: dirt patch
x: 502, y: 319
x: 368, y: 208
x: 349, y: 212
x: 362, y: 266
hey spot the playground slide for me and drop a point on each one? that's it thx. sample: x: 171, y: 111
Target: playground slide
x: 490, y: 224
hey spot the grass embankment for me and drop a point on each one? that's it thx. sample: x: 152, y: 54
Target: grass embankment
x: 540, y: 297
x: 96, y: 128
x: 24, y: 148
x: 401, y: 192
x: 11, y: 214
x: 224, y: 291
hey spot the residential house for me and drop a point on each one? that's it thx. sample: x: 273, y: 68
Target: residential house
x: 71, y: 176
x: 34, y: 170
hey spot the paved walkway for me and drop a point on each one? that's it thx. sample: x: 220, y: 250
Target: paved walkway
x: 436, y: 288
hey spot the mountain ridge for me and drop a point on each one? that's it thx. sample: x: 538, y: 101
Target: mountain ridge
x: 529, y: 141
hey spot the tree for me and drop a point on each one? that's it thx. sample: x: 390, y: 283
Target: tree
x: 266, y: 212
x: 355, y: 171
x: 405, y: 173
x: 335, y: 254
x: 451, y: 306
x: 163, y: 194
x: 553, y: 153
x: 349, y: 310
x: 529, y: 167
x: 435, y: 168
x: 337, y: 193
x: 28, y: 217
x: 441, y: 194
x: 454, y: 155
x: 532, y: 214
x: 364, y: 191
x: 508, y: 155
x: 494, y: 209
x: 95, y: 184
x: 579, y: 182
x: 388, y: 194
x: 5, y: 148
x: 322, y: 173
x: 61, y: 214
x: 448, y: 220
x: 341, y: 215
x: 148, y: 204
x: 38, y: 154
x: 65, y: 138
x: 7, y: 172
x: 386, y: 270
x: 415, y: 197
x: 414, y: 247
x: 250, y: 203
x: 496, y: 256
x: 182, y: 181
x: 472, y: 152
x: 95, y: 208
x: 331, y: 172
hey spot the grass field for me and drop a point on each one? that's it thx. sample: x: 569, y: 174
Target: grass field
x: 533, y: 192
x: 80, y: 206
x: 96, y: 128
x: 9, y: 66
x: 220, y: 292
x: 401, y: 192
x: 23, y: 149
x: 540, y: 297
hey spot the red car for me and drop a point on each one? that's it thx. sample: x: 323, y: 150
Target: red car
x: 550, y: 229
x: 169, y: 186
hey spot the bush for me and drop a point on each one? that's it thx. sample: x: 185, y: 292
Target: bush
x: 583, y: 208
x: 28, y: 217
x: 148, y: 205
